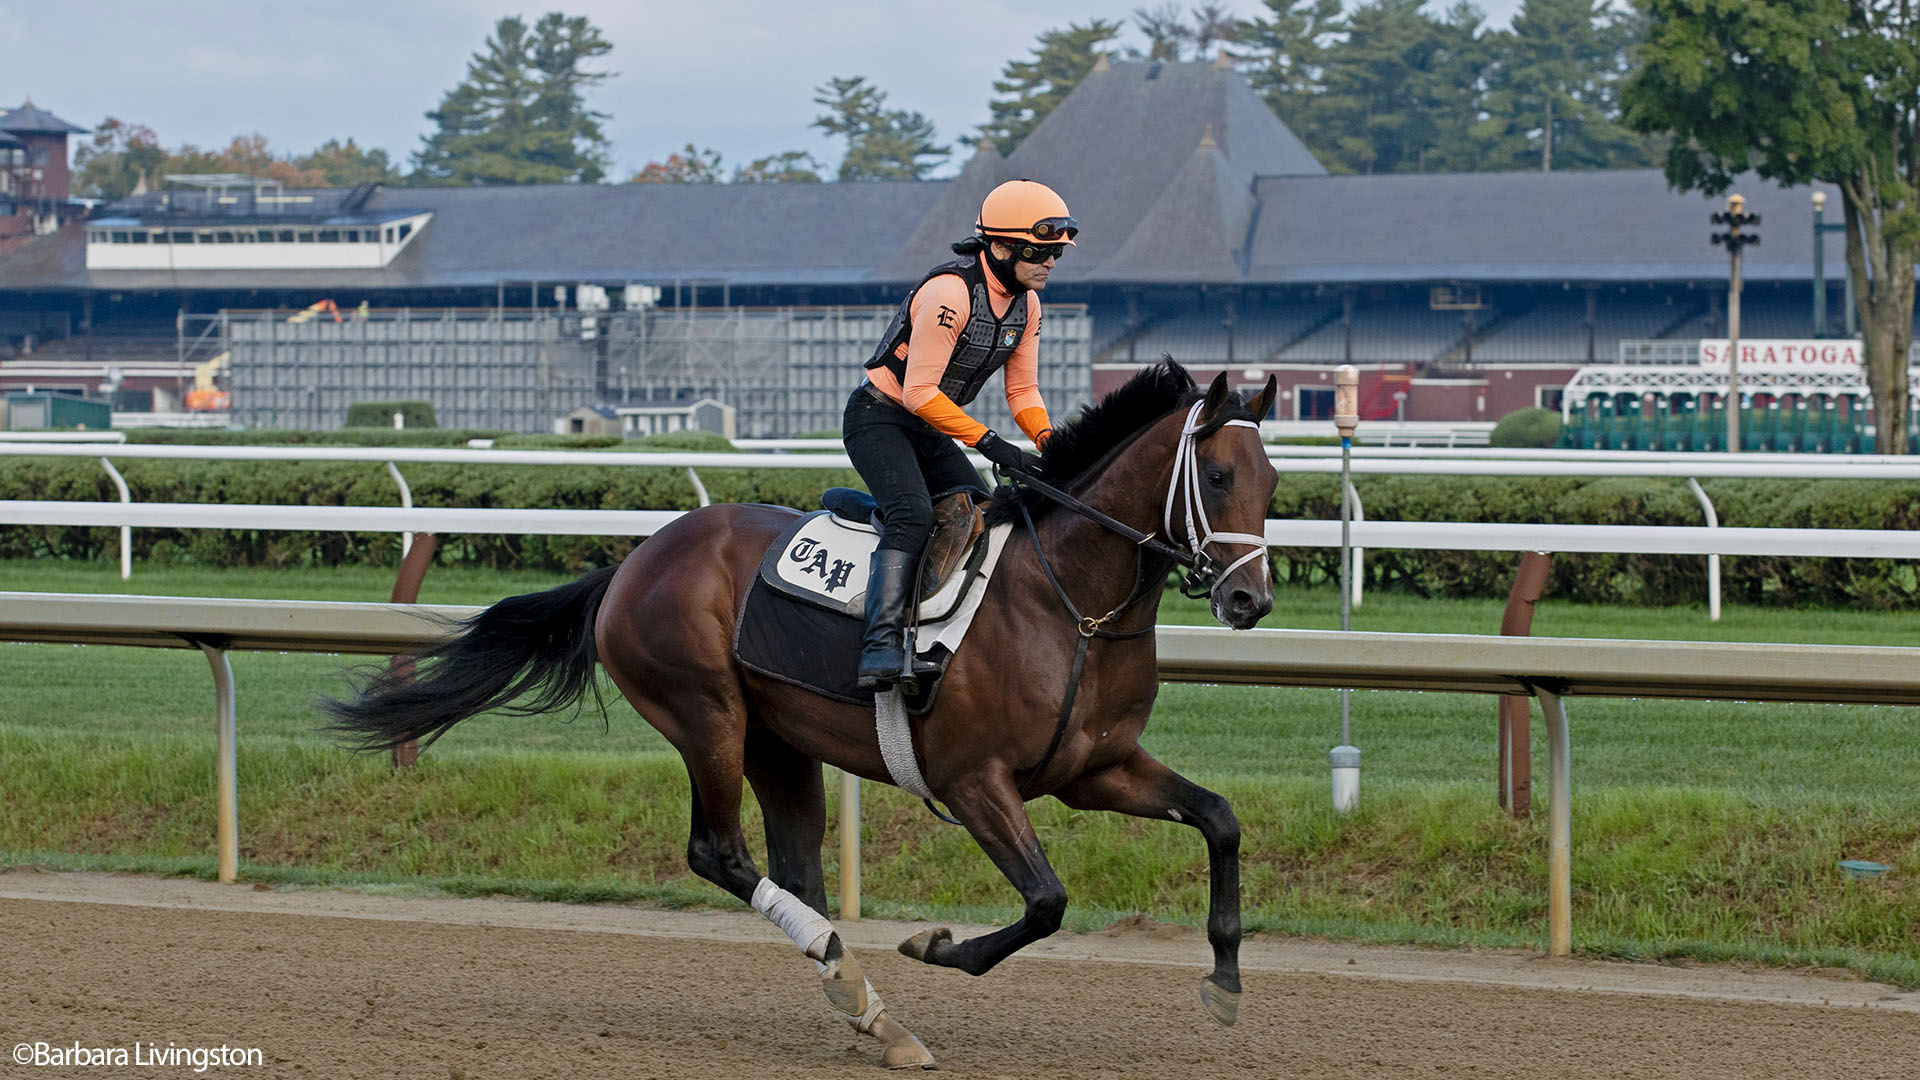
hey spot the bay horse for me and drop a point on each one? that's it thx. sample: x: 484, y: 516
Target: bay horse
x: 1156, y: 455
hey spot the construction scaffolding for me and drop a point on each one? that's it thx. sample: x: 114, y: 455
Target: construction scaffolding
x: 786, y: 371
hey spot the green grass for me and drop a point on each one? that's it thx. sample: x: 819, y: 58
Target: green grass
x: 1702, y: 830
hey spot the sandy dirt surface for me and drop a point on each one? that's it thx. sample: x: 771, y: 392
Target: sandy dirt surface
x: 336, y: 984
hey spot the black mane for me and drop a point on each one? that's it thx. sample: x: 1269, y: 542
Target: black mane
x: 1083, y: 444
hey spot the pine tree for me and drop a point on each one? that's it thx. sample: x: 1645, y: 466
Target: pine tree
x: 882, y: 143
x: 521, y: 117
x: 1285, y: 55
x: 1553, y: 90
x: 1030, y: 89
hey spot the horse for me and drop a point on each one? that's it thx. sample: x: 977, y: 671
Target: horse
x: 1178, y: 476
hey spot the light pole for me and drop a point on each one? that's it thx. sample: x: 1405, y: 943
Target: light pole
x: 1345, y: 758
x: 1820, y: 231
x: 1734, y: 240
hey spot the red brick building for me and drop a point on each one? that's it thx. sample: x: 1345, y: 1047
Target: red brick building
x: 34, y: 180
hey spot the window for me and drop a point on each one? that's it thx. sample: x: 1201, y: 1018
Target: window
x: 205, y: 236
x: 389, y: 234
x: 1313, y: 403
x: 329, y: 236
x: 183, y: 236
x: 404, y: 230
x: 353, y: 236
x: 286, y: 236
x: 265, y: 235
x: 1549, y: 397
x: 304, y: 236
x: 37, y: 156
x: 119, y: 237
x: 141, y: 236
x: 224, y: 236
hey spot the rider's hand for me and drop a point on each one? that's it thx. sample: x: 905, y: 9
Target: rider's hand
x: 1005, y: 454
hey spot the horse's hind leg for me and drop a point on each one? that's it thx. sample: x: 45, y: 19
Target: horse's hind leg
x: 793, y: 803
x: 1142, y: 787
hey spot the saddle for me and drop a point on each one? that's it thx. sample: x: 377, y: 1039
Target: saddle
x: 801, y: 620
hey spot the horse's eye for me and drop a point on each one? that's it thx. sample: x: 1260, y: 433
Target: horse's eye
x: 1217, y: 478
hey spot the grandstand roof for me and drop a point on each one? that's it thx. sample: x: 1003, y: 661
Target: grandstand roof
x: 1179, y: 174
x: 1614, y: 225
x: 30, y: 119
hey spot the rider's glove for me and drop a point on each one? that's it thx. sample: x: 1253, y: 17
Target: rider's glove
x: 1005, y: 454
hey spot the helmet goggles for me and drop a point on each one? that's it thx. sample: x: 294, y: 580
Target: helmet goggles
x: 1049, y: 230
x: 1036, y: 253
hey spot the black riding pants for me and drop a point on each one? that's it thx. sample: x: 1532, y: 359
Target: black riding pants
x: 906, y: 464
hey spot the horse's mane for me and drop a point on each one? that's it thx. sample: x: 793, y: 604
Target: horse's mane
x: 1079, y: 448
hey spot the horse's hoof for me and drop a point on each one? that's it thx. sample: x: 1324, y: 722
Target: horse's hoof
x: 922, y: 943
x: 1221, y: 1004
x: 845, y: 987
x: 904, y: 1051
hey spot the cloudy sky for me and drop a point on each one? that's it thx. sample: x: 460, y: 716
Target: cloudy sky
x: 735, y: 75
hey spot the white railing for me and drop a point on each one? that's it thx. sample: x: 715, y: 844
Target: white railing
x: 1294, y: 459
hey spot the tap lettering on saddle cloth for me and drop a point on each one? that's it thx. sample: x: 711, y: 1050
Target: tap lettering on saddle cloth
x: 812, y: 557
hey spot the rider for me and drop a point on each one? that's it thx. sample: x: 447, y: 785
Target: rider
x: 965, y: 320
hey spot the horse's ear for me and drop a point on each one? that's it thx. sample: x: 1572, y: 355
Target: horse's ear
x: 1216, y: 397
x: 1260, y: 406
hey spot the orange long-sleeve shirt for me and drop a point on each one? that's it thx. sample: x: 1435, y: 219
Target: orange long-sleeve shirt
x: 938, y: 313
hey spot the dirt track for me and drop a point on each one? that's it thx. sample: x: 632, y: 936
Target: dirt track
x: 346, y: 985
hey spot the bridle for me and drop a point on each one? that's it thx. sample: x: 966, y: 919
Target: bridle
x: 1203, y: 573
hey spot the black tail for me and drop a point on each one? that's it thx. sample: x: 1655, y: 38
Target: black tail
x: 538, y: 642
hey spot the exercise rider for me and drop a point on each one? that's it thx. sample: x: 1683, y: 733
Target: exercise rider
x: 965, y: 320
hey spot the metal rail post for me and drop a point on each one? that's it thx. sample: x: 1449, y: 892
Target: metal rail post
x: 1713, y: 561
x: 849, y: 846
x: 1559, y: 825
x: 1345, y: 758
x: 126, y: 531
x: 225, y: 770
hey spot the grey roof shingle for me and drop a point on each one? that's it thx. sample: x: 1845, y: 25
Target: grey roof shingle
x: 1615, y: 225
x: 1196, y: 231
x: 32, y: 120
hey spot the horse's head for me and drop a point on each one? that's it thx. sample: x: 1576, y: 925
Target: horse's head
x: 1217, y: 499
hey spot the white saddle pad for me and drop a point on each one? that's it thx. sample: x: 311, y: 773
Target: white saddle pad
x: 828, y: 559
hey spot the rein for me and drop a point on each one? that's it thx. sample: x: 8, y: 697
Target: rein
x: 1203, y: 577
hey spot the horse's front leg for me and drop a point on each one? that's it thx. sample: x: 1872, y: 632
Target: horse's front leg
x: 1142, y: 787
x: 991, y: 809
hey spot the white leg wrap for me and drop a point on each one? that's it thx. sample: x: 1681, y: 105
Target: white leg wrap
x: 808, y: 928
x: 864, y: 1022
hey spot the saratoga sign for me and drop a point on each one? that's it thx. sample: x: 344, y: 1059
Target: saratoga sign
x: 1777, y: 355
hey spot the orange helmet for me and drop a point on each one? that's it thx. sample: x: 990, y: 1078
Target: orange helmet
x: 1022, y: 210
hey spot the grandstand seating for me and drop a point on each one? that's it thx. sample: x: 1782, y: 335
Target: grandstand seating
x: 1556, y: 332
x: 1408, y: 332
x: 1200, y: 336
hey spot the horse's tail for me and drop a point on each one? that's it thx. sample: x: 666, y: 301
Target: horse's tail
x: 540, y: 642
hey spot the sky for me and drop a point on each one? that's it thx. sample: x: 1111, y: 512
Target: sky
x: 734, y: 75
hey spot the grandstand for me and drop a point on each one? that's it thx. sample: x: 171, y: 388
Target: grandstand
x: 1209, y: 233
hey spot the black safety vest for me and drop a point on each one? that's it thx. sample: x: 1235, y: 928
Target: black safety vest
x: 983, y: 347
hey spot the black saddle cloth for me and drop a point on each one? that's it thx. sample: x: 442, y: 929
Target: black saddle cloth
x: 809, y: 646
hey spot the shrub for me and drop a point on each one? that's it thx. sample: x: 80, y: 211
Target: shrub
x: 379, y: 414
x: 1527, y: 428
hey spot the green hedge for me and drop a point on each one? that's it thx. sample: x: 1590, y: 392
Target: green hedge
x: 379, y: 414
x: 1527, y: 429
x: 1646, y: 579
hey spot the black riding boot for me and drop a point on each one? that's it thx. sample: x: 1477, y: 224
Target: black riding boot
x: 889, y: 587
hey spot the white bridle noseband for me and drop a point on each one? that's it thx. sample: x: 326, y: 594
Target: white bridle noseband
x: 1186, y: 475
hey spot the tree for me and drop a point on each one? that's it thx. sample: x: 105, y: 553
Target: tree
x: 1553, y: 90
x: 1030, y: 89
x: 1166, y: 30
x: 1388, y: 87
x: 344, y: 164
x: 252, y: 156
x: 1802, y: 91
x: 690, y: 166
x: 882, y: 143
x: 1286, y: 54
x: 521, y: 117
x: 118, y: 158
x: 791, y: 167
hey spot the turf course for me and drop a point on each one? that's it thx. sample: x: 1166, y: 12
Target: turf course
x: 1705, y: 830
